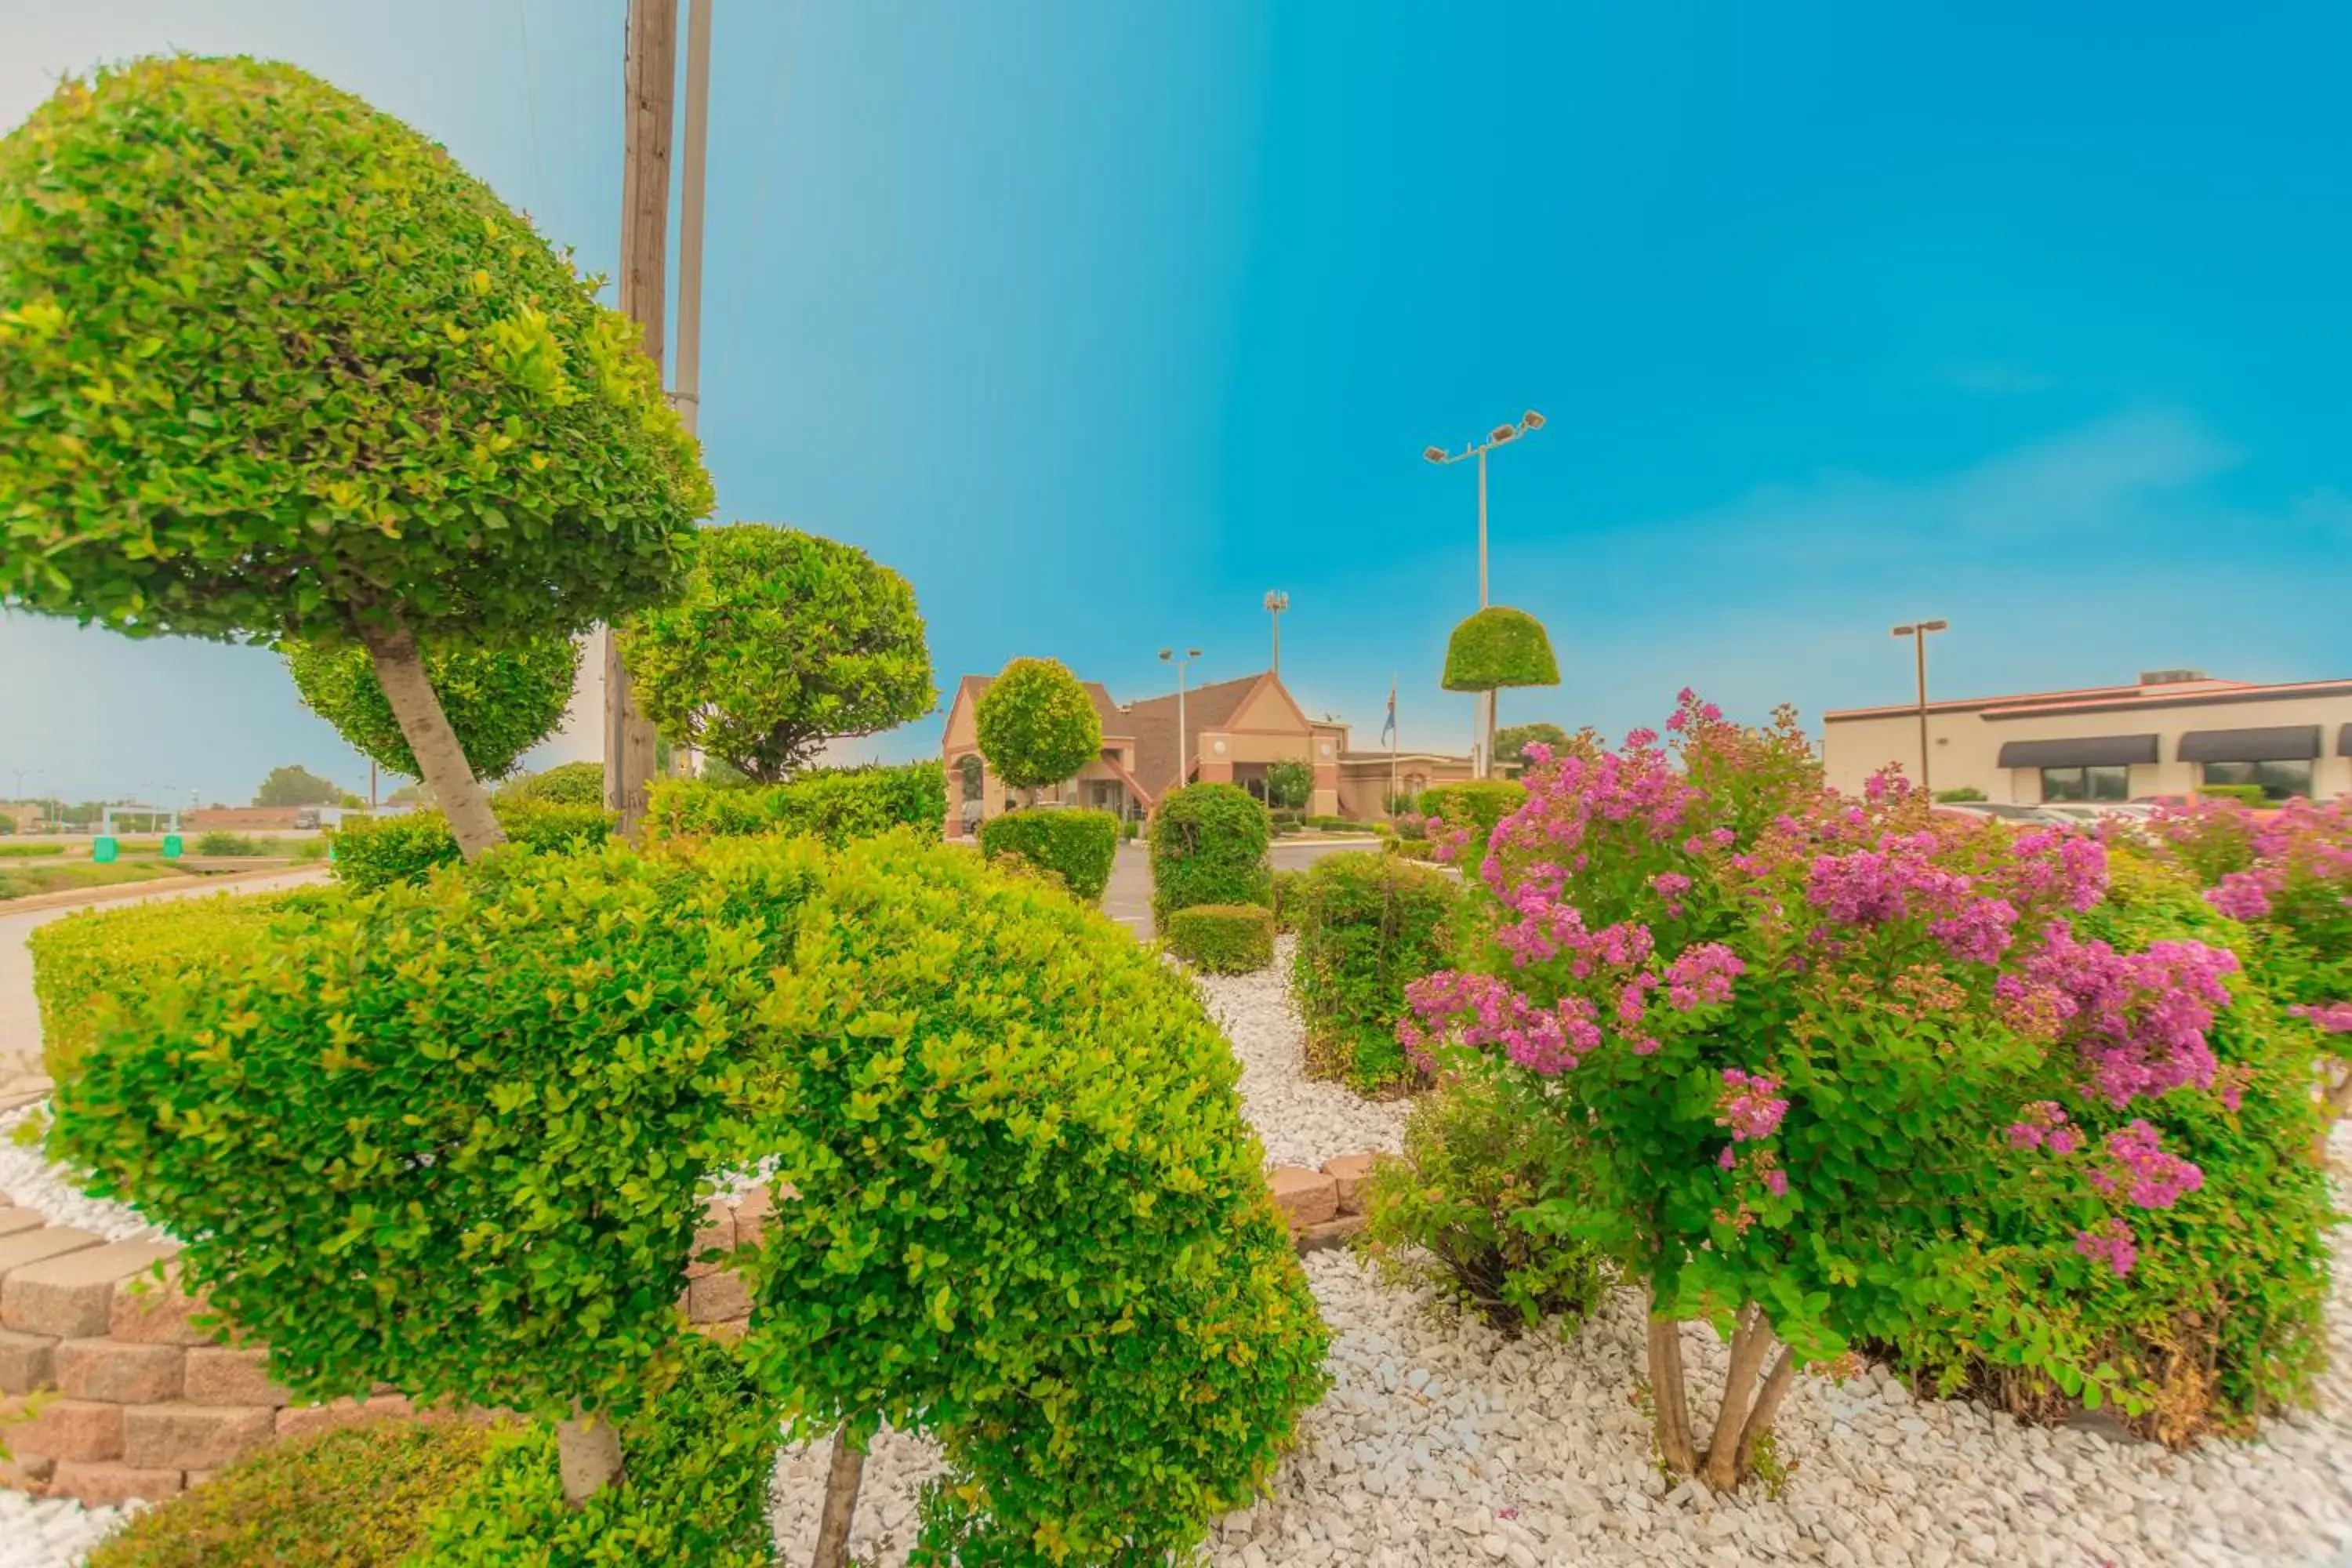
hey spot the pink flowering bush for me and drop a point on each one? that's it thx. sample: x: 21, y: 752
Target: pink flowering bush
x: 1796, y: 1044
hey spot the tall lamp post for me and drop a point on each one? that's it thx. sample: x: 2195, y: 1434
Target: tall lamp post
x: 1501, y: 434
x: 1918, y: 633
x: 1183, y: 763
x: 1276, y: 603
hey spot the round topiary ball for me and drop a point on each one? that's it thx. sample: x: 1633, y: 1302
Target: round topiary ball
x: 1500, y: 647
x: 501, y: 701
x: 1037, y: 724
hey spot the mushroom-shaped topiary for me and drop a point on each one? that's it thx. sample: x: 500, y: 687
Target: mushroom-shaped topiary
x: 1037, y: 726
x: 500, y: 701
x: 273, y: 366
x: 1500, y: 647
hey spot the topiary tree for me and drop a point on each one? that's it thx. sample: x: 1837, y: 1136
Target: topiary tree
x: 1208, y: 846
x: 295, y: 785
x: 780, y: 642
x: 1511, y: 742
x: 1289, y: 784
x: 1498, y: 646
x: 272, y: 365
x: 1037, y: 725
x: 499, y: 702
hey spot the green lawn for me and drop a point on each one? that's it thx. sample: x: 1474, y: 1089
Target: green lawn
x: 24, y: 880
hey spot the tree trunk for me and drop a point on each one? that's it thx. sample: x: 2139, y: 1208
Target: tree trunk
x: 1672, y: 1404
x: 1749, y: 1343
x: 1767, y: 1406
x: 840, y: 1504
x: 400, y: 670
x: 588, y: 1458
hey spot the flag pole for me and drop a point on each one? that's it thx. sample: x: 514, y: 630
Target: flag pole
x: 1394, y: 736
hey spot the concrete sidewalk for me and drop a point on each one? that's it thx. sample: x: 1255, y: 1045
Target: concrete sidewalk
x: 20, y: 1021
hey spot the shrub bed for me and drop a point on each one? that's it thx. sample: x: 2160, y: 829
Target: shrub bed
x: 834, y: 805
x: 1369, y: 925
x: 1223, y: 939
x: 1208, y: 846
x: 1476, y: 804
x: 566, y: 784
x: 227, y: 844
x: 1076, y: 845
x: 29, y: 851
x: 376, y: 852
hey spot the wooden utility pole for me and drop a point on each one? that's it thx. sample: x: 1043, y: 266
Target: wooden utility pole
x: 649, y: 85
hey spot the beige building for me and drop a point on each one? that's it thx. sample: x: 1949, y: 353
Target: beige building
x: 2167, y: 734
x: 1233, y: 732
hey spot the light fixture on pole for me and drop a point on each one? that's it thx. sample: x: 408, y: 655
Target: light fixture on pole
x: 1528, y: 424
x: 1183, y: 741
x: 1918, y: 633
x: 1276, y: 603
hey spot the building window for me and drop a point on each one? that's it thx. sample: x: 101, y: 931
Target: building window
x: 2277, y: 780
x: 2112, y: 783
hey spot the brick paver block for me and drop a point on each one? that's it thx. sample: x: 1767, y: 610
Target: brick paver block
x: 72, y: 1295
x: 193, y: 1437
x: 1330, y: 1233
x: 1350, y: 1171
x: 752, y: 1211
x: 106, y: 1483
x: 64, y: 1429
x: 150, y: 1311
x: 296, y: 1419
x: 220, y: 1376
x: 716, y: 1297
x: 13, y: 1220
x: 25, y: 1363
x: 119, y: 1374
x: 26, y: 1472
x: 30, y: 1247
x: 717, y: 1231
x: 1308, y: 1197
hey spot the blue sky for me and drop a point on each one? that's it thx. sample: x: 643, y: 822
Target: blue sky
x: 1099, y: 322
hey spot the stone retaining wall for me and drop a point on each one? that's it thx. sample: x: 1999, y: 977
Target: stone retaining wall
x: 129, y: 1398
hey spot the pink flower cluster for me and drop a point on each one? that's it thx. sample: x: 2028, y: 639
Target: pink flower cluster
x: 1570, y: 800
x: 2246, y: 895
x: 1702, y: 975
x: 2333, y: 1018
x: 2042, y: 1125
x: 1751, y: 1105
x: 1485, y: 1011
x: 2138, y: 1167
x: 2112, y: 1244
x: 2138, y: 1019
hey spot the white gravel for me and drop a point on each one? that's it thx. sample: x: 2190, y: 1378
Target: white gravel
x: 51, y: 1532
x: 29, y: 1178
x: 1302, y: 1122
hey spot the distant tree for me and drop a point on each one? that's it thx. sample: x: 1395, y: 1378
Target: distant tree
x: 273, y: 366
x: 719, y: 770
x: 499, y: 702
x: 1289, y: 784
x: 7, y: 823
x: 292, y: 785
x: 1037, y: 725
x: 417, y: 794
x: 1511, y: 741
x: 780, y: 642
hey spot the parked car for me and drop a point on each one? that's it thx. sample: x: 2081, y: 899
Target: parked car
x: 2005, y: 810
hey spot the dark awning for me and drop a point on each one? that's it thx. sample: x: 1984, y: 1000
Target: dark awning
x: 2276, y: 744
x: 2088, y: 752
x: 2344, y: 742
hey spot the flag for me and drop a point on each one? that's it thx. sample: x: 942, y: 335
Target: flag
x: 1388, y: 731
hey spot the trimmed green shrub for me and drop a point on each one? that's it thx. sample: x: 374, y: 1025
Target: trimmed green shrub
x: 275, y: 366
x: 781, y: 641
x: 835, y: 804
x: 87, y: 966
x: 374, y: 852
x: 1463, y: 1209
x: 1223, y: 939
x: 501, y: 701
x: 226, y: 844
x: 1037, y: 724
x: 1329, y: 824
x: 1208, y: 846
x: 1289, y: 784
x: 1477, y: 804
x: 566, y: 784
x: 1030, y: 1216
x: 1129, y: 828
x: 29, y: 851
x: 1287, y: 886
x: 1076, y: 845
x: 1956, y: 797
x: 702, y: 1455
x: 2244, y: 794
x: 1369, y: 925
x: 494, y: 1097
x: 1500, y: 647
x: 2220, y: 1319
x: 360, y: 1497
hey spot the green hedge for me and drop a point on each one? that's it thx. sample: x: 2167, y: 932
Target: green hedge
x: 1076, y: 845
x: 376, y: 852
x: 835, y: 804
x: 86, y: 966
x: 700, y: 1460
x: 359, y: 1498
x: 29, y: 851
x: 566, y: 784
x: 2244, y: 794
x: 1369, y: 925
x: 1343, y: 825
x: 1030, y: 1218
x: 1475, y: 804
x: 1208, y: 846
x: 1223, y: 939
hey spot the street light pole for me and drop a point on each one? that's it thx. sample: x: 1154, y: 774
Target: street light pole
x: 1183, y: 763
x: 1276, y: 603
x: 1528, y: 424
x: 1918, y: 635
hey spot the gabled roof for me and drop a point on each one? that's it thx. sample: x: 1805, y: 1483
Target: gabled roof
x: 1160, y: 754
